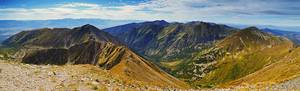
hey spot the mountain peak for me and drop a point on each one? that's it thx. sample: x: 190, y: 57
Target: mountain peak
x: 251, y: 28
x: 251, y: 37
x: 157, y: 22
x: 89, y: 26
x: 200, y: 22
x: 253, y: 32
x: 161, y: 21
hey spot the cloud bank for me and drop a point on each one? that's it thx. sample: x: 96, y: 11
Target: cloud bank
x: 273, y: 12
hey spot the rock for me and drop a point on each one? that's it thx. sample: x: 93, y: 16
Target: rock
x: 95, y: 83
x: 97, y: 80
x: 49, y: 73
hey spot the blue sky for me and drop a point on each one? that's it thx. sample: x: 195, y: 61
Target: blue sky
x: 250, y: 12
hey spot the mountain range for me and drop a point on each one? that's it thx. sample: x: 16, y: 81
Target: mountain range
x: 160, y: 40
x: 11, y: 27
x: 206, y: 54
x: 199, y: 54
x: 293, y: 36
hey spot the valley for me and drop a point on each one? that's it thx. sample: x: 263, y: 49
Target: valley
x: 149, y: 45
x: 152, y: 55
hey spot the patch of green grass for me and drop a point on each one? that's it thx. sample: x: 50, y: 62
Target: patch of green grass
x: 6, y: 52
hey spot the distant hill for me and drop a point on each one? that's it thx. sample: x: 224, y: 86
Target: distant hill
x: 291, y: 32
x: 59, y: 37
x: 292, y: 35
x: 10, y: 27
x: 5, y: 34
x: 87, y: 45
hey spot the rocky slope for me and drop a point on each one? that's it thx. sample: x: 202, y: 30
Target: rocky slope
x: 161, y: 40
x: 236, y: 56
x: 88, y: 45
x: 84, y: 77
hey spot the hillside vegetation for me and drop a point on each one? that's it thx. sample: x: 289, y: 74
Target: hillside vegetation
x: 284, y: 69
x: 236, y: 56
x: 163, y: 41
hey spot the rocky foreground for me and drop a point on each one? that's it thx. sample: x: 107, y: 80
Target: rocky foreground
x: 25, y: 77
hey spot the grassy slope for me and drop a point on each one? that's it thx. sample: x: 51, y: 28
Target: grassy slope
x: 249, y: 51
x: 284, y: 69
x: 133, y: 67
x: 236, y: 66
x: 6, y: 52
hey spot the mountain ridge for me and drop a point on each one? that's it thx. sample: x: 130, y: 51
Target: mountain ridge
x: 167, y: 40
x: 88, y: 45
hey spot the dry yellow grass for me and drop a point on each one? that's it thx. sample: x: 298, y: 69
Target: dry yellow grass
x: 171, y: 64
x: 248, y: 50
x: 133, y: 67
x: 284, y: 69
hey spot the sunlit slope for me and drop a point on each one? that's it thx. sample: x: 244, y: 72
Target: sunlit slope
x: 238, y: 55
x: 284, y: 69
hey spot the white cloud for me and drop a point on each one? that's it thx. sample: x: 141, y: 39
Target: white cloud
x: 70, y: 5
x: 172, y: 10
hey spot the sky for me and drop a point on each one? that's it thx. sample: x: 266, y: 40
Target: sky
x: 249, y: 12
